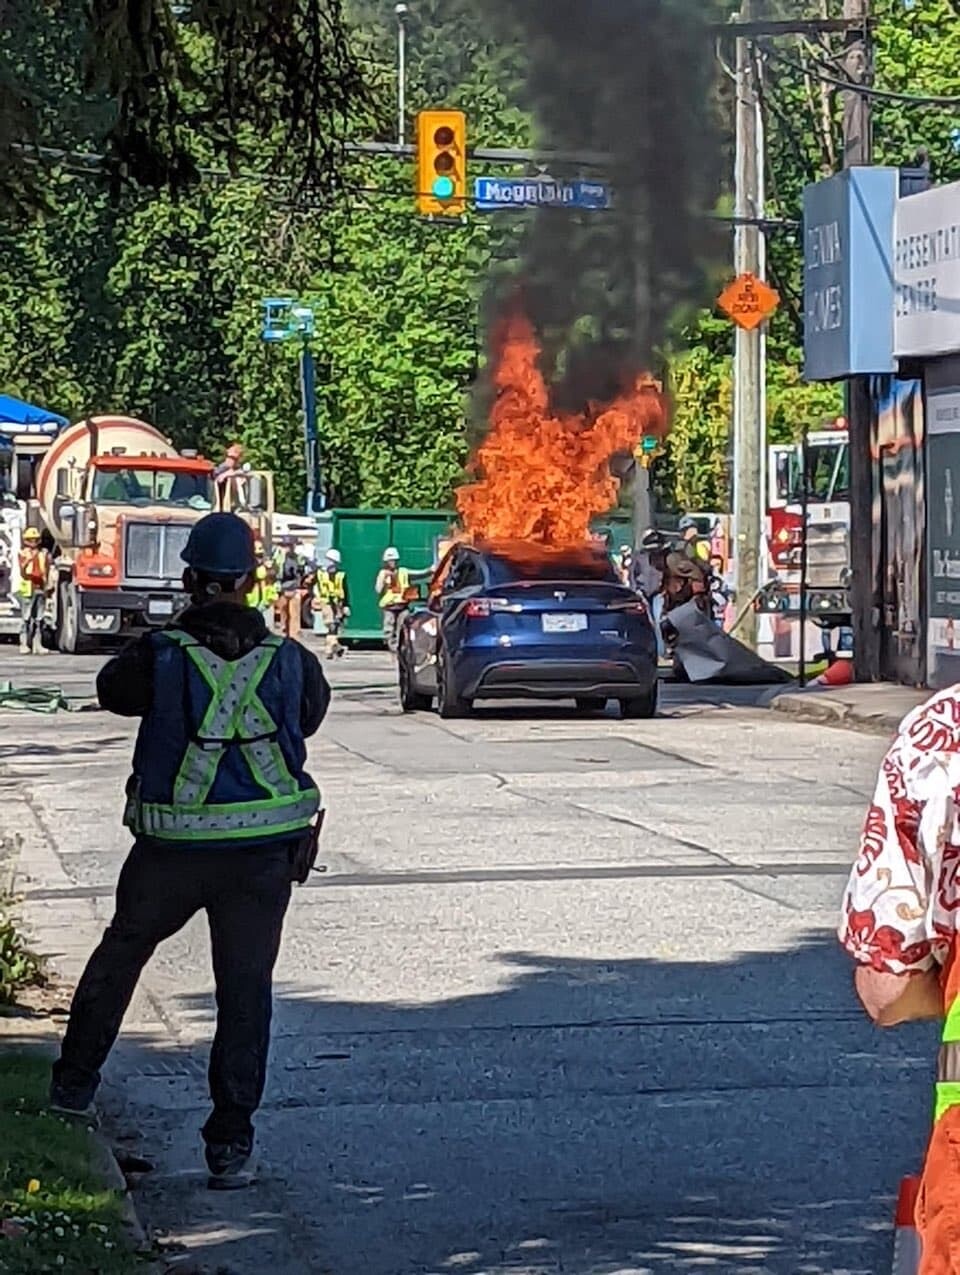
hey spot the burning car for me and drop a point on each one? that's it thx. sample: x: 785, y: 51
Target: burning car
x: 518, y: 620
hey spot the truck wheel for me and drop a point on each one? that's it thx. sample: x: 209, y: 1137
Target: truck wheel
x: 68, y: 620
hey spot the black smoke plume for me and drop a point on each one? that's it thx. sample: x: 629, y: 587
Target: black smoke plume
x: 636, y: 80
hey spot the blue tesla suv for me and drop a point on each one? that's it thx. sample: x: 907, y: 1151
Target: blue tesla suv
x: 521, y: 621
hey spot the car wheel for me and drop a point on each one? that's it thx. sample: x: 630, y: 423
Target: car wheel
x: 587, y: 705
x: 641, y: 706
x: 450, y: 703
x: 411, y: 700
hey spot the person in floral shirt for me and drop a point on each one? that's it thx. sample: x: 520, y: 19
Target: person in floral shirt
x: 900, y: 924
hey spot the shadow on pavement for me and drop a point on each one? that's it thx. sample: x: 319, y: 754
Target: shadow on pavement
x: 590, y: 1117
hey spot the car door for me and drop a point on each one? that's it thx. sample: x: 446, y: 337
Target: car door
x: 465, y: 580
x: 424, y: 628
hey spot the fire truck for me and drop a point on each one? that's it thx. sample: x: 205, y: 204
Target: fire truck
x: 822, y: 467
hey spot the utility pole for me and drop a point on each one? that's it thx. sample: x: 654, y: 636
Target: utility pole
x: 858, y: 150
x: 749, y: 375
x: 402, y: 11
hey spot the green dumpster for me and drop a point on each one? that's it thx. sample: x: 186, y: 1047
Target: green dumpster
x: 361, y: 535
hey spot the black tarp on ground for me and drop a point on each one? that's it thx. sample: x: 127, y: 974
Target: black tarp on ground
x: 707, y: 654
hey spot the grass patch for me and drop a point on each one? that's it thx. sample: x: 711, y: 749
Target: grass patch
x: 51, y: 1196
x: 19, y: 967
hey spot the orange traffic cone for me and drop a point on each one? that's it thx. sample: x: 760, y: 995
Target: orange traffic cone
x: 906, y: 1244
x: 840, y: 673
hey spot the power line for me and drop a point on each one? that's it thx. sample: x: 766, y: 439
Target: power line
x: 850, y: 86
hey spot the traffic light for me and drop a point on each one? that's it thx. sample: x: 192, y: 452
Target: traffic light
x: 441, y: 163
x: 650, y: 444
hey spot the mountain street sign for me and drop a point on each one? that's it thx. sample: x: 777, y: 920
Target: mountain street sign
x: 748, y: 301
x: 491, y: 194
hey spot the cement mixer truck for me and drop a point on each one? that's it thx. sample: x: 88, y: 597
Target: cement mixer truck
x: 119, y: 501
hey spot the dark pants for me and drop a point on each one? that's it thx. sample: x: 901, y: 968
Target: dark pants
x: 245, y: 893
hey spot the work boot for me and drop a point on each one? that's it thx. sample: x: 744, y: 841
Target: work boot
x: 229, y: 1165
x: 73, y: 1104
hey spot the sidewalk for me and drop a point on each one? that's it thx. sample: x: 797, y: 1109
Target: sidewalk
x: 876, y: 708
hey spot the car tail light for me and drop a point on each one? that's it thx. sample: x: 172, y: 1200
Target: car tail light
x: 636, y: 606
x: 482, y: 608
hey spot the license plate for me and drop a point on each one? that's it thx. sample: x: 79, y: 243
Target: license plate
x: 158, y: 607
x: 564, y: 622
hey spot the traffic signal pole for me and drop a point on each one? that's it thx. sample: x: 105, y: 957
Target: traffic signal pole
x: 749, y: 373
x: 858, y: 150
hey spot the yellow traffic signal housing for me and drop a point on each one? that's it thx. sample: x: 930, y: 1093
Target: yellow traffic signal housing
x: 441, y: 163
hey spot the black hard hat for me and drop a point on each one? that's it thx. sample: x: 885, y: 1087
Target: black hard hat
x: 220, y: 545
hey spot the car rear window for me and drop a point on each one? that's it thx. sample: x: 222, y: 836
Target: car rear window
x: 535, y: 562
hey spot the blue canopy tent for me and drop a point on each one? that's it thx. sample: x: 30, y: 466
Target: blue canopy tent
x: 18, y: 417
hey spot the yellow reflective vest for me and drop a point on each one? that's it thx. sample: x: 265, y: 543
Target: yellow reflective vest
x: 34, y: 567
x: 263, y: 594
x: 331, y: 587
x: 394, y: 593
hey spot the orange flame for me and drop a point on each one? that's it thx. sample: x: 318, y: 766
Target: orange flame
x: 542, y: 476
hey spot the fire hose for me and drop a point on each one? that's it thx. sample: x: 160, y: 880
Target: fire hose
x: 35, y: 699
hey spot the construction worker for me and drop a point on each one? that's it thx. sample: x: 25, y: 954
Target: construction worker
x: 393, y: 595
x: 222, y: 810
x: 263, y: 595
x: 34, y: 564
x: 900, y: 920
x: 623, y: 564
x: 232, y: 460
x: 331, y: 603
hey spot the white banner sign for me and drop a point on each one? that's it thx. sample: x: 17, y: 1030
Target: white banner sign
x: 926, y: 263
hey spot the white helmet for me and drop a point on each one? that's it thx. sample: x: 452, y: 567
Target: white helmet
x: 334, y: 556
x: 391, y: 555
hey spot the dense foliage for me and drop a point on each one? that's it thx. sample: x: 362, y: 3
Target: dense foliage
x: 148, y: 300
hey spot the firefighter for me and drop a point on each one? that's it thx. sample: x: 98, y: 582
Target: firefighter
x: 901, y: 925
x: 222, y: 812
x: 694, y: 544
x: 686, y: 578
x: 289, y: 575
x: 331, y: 602
x: 34, y: 563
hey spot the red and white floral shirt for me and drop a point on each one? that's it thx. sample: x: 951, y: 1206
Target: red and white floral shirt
x: 901, y: 910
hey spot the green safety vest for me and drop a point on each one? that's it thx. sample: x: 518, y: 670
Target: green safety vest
x: 236, y: 717
x: 948, y: 1063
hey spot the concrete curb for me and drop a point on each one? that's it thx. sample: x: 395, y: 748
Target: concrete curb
x: 822, y: 708
x: 105, y: 1163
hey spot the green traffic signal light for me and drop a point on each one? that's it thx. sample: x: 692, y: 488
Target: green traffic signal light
x: 443, y: 188
x: 650, y: 443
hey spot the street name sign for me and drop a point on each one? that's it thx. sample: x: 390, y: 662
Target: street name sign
x: 748, y: 301
x: 494, y: 193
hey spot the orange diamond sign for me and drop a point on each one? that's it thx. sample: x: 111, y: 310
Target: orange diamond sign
x: 748, y: 301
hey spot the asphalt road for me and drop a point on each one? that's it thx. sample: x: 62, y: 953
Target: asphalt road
x: 567, y: 999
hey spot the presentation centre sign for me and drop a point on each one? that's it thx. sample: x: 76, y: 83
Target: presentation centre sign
x: 927, y: 273
x: 848, y: 291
